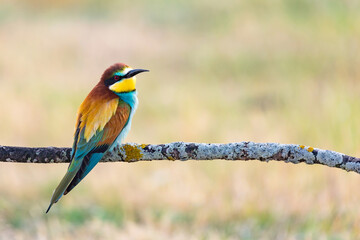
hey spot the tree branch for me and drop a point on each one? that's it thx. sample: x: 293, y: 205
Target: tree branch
x: 132, y: 152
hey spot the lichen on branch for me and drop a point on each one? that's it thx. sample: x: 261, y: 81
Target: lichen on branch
x: 182, y: 151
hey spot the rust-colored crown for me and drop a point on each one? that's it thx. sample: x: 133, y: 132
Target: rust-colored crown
x: 111, y: 70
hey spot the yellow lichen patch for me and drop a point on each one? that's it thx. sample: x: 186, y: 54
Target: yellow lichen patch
x: 132, y: 153
x: 302, y: 146
x: 144, y: 145
x: 310, y: 149
x: 170, y: 158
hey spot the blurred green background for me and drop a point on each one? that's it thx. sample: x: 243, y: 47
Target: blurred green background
x: 221, y: 71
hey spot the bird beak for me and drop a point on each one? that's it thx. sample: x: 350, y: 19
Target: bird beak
x: 135, y: 72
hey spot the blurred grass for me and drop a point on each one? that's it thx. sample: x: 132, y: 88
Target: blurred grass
x: 267, y: 71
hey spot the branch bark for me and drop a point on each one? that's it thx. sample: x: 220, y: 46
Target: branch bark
x: 133, y: 152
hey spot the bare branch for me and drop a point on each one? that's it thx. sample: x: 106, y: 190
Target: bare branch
x: 132, y: 152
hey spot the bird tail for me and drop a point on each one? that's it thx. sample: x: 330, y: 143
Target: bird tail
x: 87, y: 165
x: 59, y: 191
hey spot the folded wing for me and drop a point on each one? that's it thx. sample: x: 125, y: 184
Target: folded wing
x: 98, y: 125
x: 100, y: 143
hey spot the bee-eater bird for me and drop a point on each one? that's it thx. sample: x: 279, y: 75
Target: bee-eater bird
x: 103, y: 121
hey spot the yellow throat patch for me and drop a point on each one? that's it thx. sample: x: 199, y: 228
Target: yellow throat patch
x: 126, y: 85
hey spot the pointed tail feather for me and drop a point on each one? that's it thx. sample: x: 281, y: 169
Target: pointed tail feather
x: 87, y: 165
x: 59, y: 191
x: 49, y: 208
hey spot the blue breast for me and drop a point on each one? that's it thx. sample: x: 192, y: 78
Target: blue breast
x: 131, y: 99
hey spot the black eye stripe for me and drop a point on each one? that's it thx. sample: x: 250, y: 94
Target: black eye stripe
x: 112, y: 80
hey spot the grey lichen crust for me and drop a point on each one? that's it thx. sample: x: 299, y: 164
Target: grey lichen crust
x: 133, y: 152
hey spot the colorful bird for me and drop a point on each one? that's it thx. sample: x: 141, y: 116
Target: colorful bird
x: 103, y: 121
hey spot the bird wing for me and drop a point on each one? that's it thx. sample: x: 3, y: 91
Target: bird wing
x: 98, y: 125
x: 100, y: 143
x: 91, y: 121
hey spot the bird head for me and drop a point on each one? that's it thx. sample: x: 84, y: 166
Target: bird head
x: 120, y: 78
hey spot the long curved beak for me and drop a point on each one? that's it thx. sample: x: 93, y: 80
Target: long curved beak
x: 135, y: 72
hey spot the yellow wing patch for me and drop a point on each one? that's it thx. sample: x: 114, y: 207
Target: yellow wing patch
x: 95, y: 117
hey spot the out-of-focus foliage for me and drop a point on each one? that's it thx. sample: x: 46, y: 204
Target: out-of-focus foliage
x: 221, y: 71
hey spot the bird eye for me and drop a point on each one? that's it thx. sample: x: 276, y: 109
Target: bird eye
x: 116, y: 77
